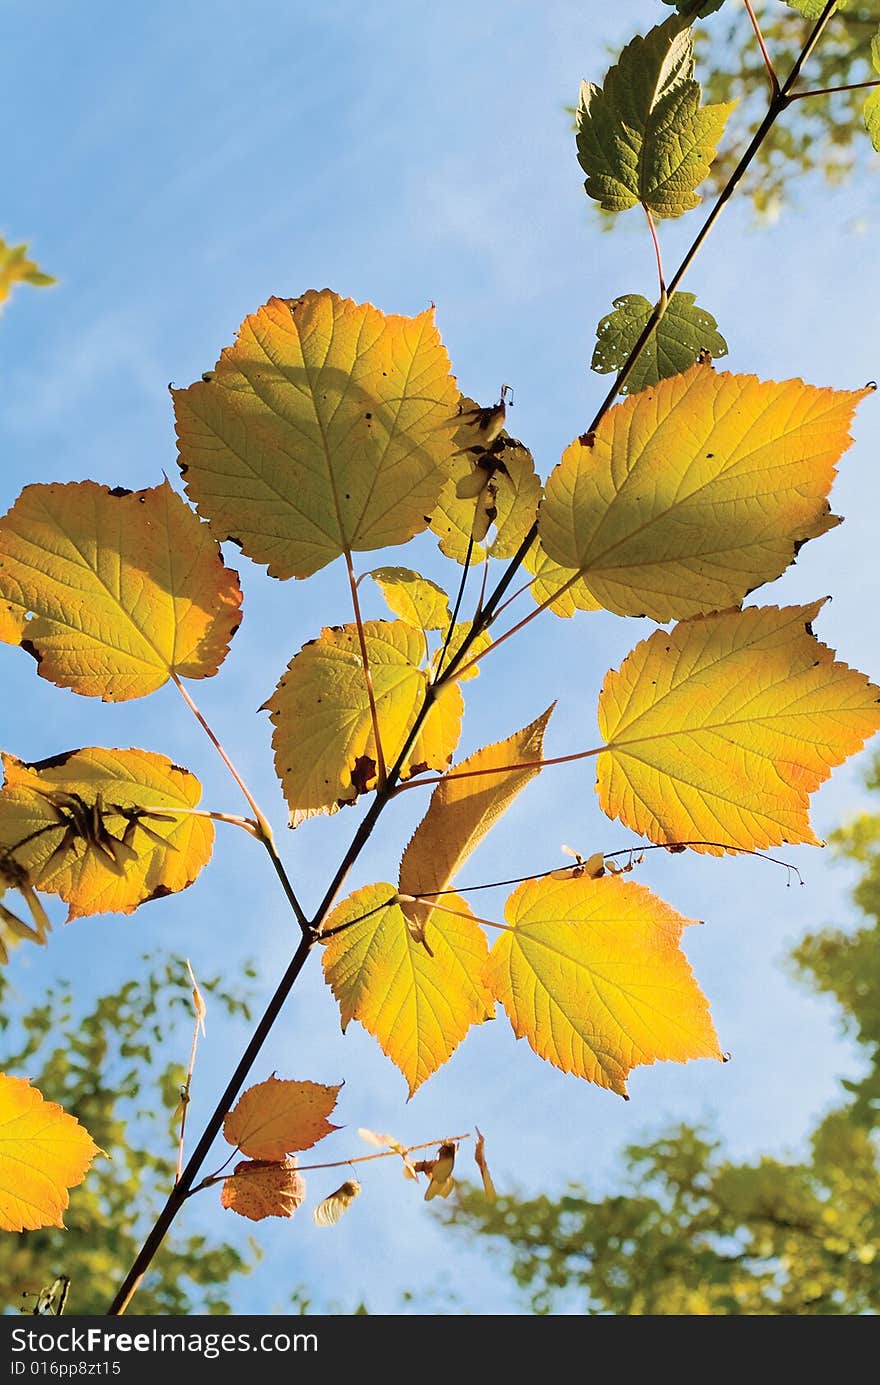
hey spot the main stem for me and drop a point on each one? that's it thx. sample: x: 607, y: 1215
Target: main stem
x: 312, y: 929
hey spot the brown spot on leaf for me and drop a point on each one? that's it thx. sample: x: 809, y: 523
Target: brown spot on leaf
x: 31, y: 649
x: 54, y: 761
x: 160, y: 892
x: 587, y: 439
x: 363, y: 772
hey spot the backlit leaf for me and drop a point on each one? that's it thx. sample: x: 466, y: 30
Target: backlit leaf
x: 562, y: 588
x: 325, y: 753
x: 593, y: 976
x: 719, y: 730
x: 261, y: 1188
x: 418, y: 1004
x: 478, y: 645
x: 872, y: 101
x: 16, y: 268
x: 327, y: 428
x: 43, y: 1153
x: 682, y: 335
x: 462, y: 811
x: 114, y: 591
x: 691, y: 494
x: 160, y: 851
x: 275, y: 1117
x: 643, y: 136
x: 328, y: 1212
x: 416, y: 599
x: 812, y: 9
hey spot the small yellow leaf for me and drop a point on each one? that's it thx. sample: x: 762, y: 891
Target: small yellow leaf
x: 416, y: 599
x: 43, y: 1153
x: 418, y: 1004
x: 562, y: 589
x: 463, y: 810
x: 146, y: 850
x: 478, y: 645
x: 719, y: 731
x: 325, y: 753
x: 327, y: 428
x: 439, y: 1171
x: 592, y: 975
x: 328, y: 1212
x: 259, y: 1188
x: 480, y: 1160
x: 16, y: 268
x: 692, y: 493
x: 274, y: 1118
x: 114, y: 591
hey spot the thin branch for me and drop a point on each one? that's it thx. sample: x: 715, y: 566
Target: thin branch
x: 459, y: 913
x: 457, y: 607
x: 381, y: 771
x: 497, y: 769
x: 768, y: 62
x: 339, y: 1163
x: 325, y: 933
x: 520, y: 625
x: 264, y: 832
x: 199, y: 1007
x: 832, y: 91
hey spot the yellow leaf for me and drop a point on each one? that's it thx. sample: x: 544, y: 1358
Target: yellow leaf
x: 418, y: 1004
x: 327, y: 428
x: 113, y: 591
x: 16, y: 268
x: 719, y: 730
x: 562, y: 588
x: 439, y: 1171
x: 325, y: 753
x: 274, y: 1118
x: 478, y: 645
x: 694, y: 492
x: 497, y: 483
x: 462, y: 811
x: 261, y: 1188
x: 43, y: 1153
x: 153, y: 852
x: 591, y: 973
x: 328, y: 1212
x: 416, y: 599
x: 13, y: 928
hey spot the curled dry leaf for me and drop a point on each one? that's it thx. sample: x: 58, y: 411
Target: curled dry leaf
x: 259, y: 1188
x: 480, y: 1160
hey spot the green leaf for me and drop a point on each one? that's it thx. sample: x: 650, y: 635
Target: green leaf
x: 682, y: 335
x: 644, y: 136
x: 872, y: 104
x: 689, y: 9
x: 811, y: 9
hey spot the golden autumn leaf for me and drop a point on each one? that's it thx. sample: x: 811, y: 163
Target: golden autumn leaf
x: 591, y: 973
x: 415, y: 599
x: 99, y: 828
x: 114, y: 591
x: 16, y: 268
x: 43, y: 1153
x: 325, y: 752
x: 478, y: 645
x: 562, y: 589
x: 326, y: 429
x: 259, y: 1188
x: 462, y: 811
x: 276, y: 1117
x: 417, y: 1004
x: 719, y: 730
x: 328, y: 1211
x: 694, y: 492
x: 505, y: 490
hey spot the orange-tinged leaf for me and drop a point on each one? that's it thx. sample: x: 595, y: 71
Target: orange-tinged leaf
x: 328, y: 1212
x: 719, y: 730
x: 418, y: 1004
x: 462, y: 811
x: 694, y: 492
x: 326, y: 429
x: 325, y: 752
x: 43, y: 1153
x: 591, y: 973
x: 158, y: 851
x: 275, y: 1117
x: 114, y: 591
x: 259, y: 1188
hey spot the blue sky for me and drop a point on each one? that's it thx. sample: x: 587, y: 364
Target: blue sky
x: 175, y: 166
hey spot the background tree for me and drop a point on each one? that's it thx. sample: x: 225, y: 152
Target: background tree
x: 694, y: 1232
